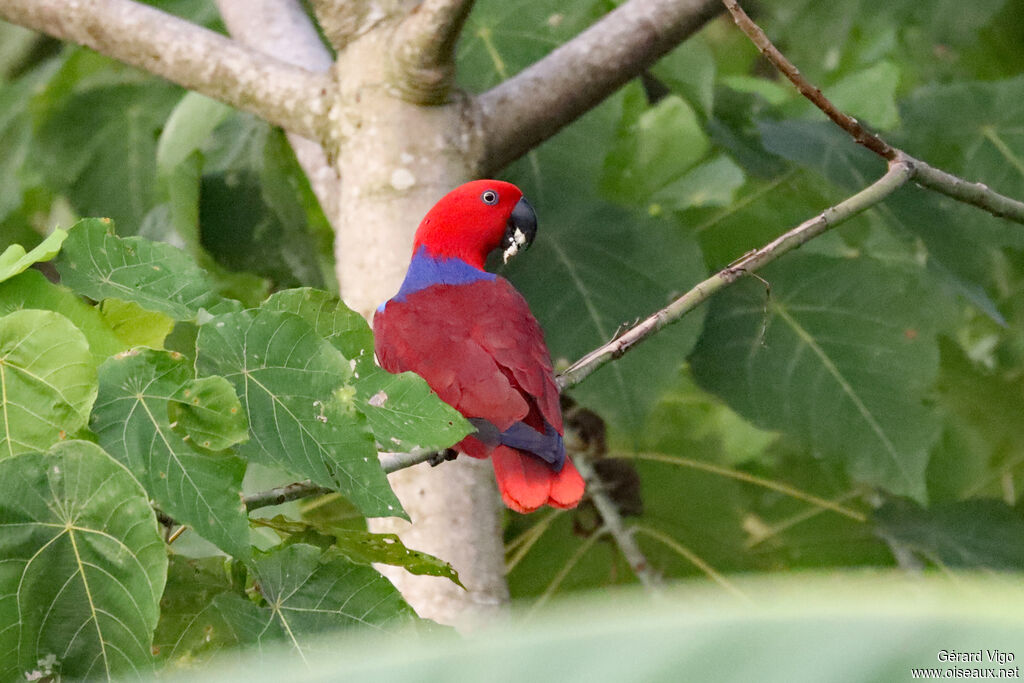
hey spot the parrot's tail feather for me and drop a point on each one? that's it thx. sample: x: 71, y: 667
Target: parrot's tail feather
x: 526, y: 482
x: 566, y: 487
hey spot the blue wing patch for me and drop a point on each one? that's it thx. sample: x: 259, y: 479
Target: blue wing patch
x: 548, y: 446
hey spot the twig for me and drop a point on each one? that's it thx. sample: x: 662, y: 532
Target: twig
x: 425, y: 49
x: 389, y: 462
x: 186, y: 54
x: 523, y: 111
x: 612, y: 522
x: 898, y: 174
x: 806, y: 88
x: 976, y: 194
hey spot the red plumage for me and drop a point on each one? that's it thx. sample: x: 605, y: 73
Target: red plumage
x: 472, y: 337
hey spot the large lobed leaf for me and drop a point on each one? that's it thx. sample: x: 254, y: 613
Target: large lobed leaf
x: 82, y: 565
x: 158, y: 277
x: 132, y: 422
x: 841, y: 354
x: 296, y: 389
x: 47, y: 380
x: 841, y: 628
x: 403, y: 412
x: 303, y: 593
x: 31, y: 289
x: 15, y: 259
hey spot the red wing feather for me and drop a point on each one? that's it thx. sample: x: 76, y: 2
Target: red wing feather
x: 465, y: 341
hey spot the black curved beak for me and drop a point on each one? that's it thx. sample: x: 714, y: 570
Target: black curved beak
x: 520, y: 231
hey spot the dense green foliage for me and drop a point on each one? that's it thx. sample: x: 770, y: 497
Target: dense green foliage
x: 185, y: 359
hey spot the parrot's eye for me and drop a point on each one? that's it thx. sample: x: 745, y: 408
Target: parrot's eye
x: 489, y: 197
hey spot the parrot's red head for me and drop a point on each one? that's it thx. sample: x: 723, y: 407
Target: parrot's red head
x: 474, y: 219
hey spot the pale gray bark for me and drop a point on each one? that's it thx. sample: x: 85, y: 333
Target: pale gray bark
x: 186, y: 54
x: 281, y: 29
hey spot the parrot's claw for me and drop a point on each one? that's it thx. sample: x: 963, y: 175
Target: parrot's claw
x: 443, y: 456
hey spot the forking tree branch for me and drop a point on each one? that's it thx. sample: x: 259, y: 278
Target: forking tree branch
x: 959, y: 189
x: 186, y: 54
x: 425, y: 49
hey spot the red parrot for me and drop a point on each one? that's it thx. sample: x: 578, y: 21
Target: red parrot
x: 472, y: 337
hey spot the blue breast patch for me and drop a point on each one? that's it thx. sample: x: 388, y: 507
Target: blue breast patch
x: 425, y: 270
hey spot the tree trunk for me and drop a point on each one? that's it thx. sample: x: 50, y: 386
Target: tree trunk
x: 396, y: 160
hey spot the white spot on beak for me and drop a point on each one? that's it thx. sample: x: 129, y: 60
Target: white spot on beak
x: 518, y: 240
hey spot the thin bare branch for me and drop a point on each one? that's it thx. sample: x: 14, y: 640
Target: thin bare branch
x: 281, y: 29
x: 976, y: 194
x: 806, y: 88
x: 897, y: 176
x: 186, y: 54
x: 425, y: 49
x: 389, y: 462
x: 528, y: 108
x: 612, y: 522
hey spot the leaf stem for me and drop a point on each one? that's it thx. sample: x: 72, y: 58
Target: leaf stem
x: 785, y: 489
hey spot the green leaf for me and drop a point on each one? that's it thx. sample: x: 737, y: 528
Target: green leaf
x: 687, y: 417
x: 132, y: 422
x: 503, y: 37
x: 134, y: 325
x: 15, y: 259
x: 869, y: 95
x: 971, y: 534
x: 297, y: 390
x: 403, y: 412
x: 912, y: 213
x: 362, y: 547
x: 365, y: 548
x: 209, y: 412
x: 48, y: 380
x: 158, y: 277
x: 689, y: 70
x: 191, y: 628
x: 308, y: 592
x: 303, y: 593
x: 841, y: 355
x: 31, y: 289
x: 827, y: 626
x: 99, y: 145
x: 345, y: 329
x: 712, y: 183
x: 256, y: 209
x: 188, y: 127
x: 83, y: 565
x: 657, y: 144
